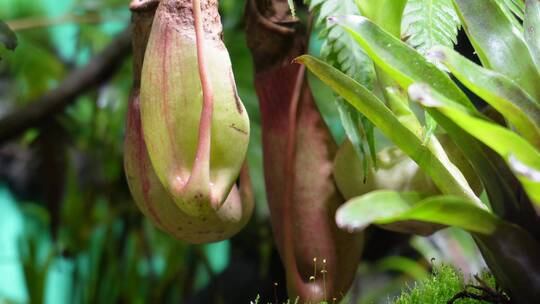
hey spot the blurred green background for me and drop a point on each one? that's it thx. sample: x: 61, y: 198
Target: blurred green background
x: 69, y: 231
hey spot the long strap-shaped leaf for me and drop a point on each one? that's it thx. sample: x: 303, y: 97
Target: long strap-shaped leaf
x: 532, y: 29
x: 496, y: 89
x: 340, y: 51
x: 388, y: 13
x: 497, y: 42
x: 523, y: 158
x: 517, y: 264
x: 513, y: 8
x: 397, y: 59
x: 392, y: 56
x: 445, y: 175
x: 407, y: 66
x: 385, y: 207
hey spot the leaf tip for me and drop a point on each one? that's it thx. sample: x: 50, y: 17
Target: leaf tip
x: 332, y: 20
x: 436, y: 55
x: 349, y: 19
x: 421, y: 93
x: 519, y: 168
x: 345, y: 223
x: 299, y: 59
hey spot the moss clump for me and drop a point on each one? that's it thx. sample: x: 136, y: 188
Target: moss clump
x: 439, y: 288
x: 257, y: 301
x: 445, y: 282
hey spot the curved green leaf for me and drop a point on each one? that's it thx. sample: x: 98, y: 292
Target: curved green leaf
x: 350, y: 120
x: 397, y: 59
x: 435, y: 163
x: 399, y: 104
x: 531, y: 24
x: 387, y: 14
x: 389, y: 207
x: 511, y: 252
x: 375, y: 207
x: 521, y: 156
x: 407, y: 66
x: 513, y: 8
x: 340, y: 51
x: 496, y: 89
x: 499, y: 45
x: 402, y: 264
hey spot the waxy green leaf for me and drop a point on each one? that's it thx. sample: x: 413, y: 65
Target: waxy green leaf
x: 496, y: 89
x: 340, y: 51
x: 510, y: 251
x: 520, y: 155
x: 404, y: 265
x: 513, y: 8
x: 531, y: 25
x: 386, y: 13
x: 399, y: 104
x: 350, y: 121
x: 404, y: 64
x: 415, y: 212
x: 498, y: 44
x: 433, y: 160
x: 407, y: 66
x: 396, y: 171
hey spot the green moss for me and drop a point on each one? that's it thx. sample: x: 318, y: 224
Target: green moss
x: 445, y: 282
x: 438, y: 288
x: 258, y: 301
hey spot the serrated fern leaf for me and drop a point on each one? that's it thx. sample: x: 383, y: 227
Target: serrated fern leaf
x: 427, y: 23
x: 339, y: 48
x: 341, y: 51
